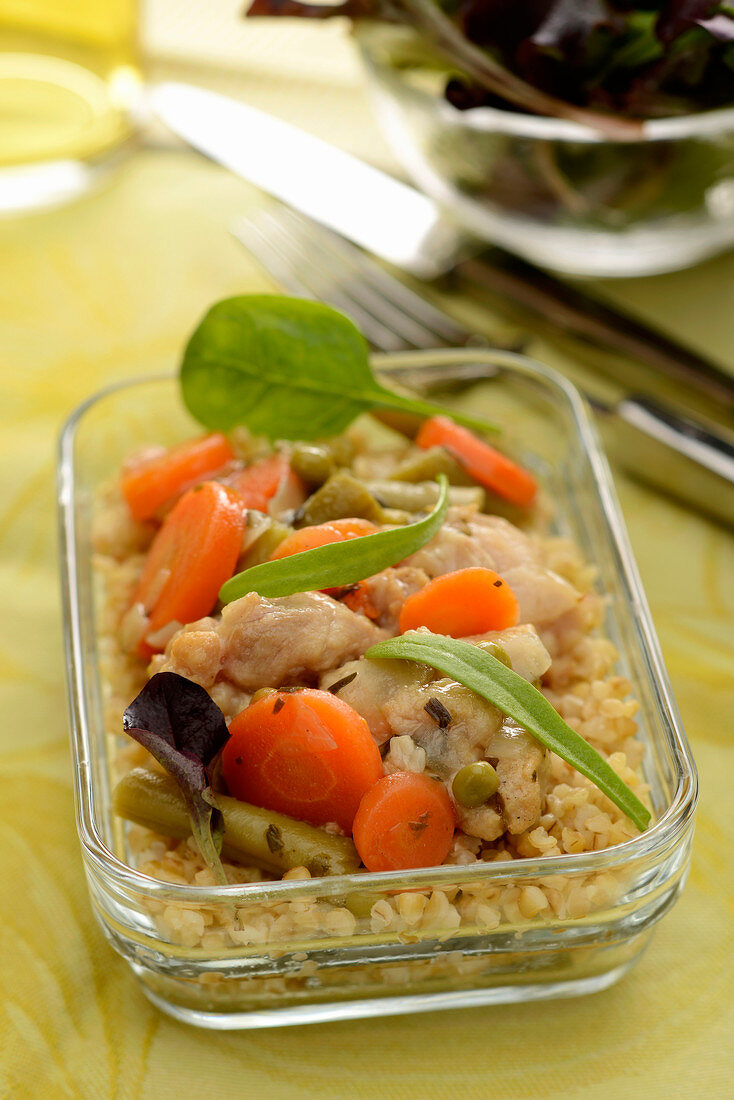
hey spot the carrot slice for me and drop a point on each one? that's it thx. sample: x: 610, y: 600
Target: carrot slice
x: 468, y: 601
x: 359, y: 600
x: 306, y: 753
x: 485, y: 464
x: 337, y: 530
x: 321, y: 534
x: 406, y: 820
x: 158, y: 480
x: 258, y: 484
x: 191, y: 557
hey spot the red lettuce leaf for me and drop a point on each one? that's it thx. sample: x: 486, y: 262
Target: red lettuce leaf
x: 183, y: 728
x: 605, y: 63
x: 678, y: 16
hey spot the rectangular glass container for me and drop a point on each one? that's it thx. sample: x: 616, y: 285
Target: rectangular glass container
x: 375, y: 944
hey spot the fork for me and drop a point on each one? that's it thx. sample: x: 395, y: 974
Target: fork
x: 654, y: 444
x: 312, y: 262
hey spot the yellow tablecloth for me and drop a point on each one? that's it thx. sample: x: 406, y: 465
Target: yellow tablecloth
x: 111, y: 287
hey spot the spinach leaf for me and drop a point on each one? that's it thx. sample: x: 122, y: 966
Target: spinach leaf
x: 488, y: 677
x: 339, y: 563
x: 183, y: 728
x: 287, y: 368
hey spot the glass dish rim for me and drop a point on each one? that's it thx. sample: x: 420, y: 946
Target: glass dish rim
x: 667, y: 830
x: 495, y: 120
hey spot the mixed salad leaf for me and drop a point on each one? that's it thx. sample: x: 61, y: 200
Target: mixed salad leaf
x: 179, y: 723
x: 598, y: 61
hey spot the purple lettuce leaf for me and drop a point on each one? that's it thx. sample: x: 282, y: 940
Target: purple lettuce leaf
x: 183, y: 728
x: 604, y: 63
x: 678, y: 16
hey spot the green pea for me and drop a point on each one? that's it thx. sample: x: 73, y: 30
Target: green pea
x: 496, y: 651
x: 313, y: 463
x: 474, y: 784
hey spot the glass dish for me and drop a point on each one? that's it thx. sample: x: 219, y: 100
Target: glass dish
x: 377, y: 944
x: 550, y: 190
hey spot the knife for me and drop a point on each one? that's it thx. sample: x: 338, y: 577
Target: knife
x: 399, y: 224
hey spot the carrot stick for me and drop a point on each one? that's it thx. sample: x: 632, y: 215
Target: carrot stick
x: 258, y: 484
x: 191, y: 557
x: 157, y: 481
x: 485, y: 464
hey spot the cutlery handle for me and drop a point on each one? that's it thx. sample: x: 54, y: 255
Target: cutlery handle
x: 571, y: 312
x: 682, y: 457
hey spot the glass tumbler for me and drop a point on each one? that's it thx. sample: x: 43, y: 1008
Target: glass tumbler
x: 69, y: 80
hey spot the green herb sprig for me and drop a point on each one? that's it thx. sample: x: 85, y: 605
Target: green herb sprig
x: 488, y: 677
x: 287, y: 368
x: 339, y: 563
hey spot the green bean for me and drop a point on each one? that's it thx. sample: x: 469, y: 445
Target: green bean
x: 496, y: 651
x: 252, y: 835
x: 313, y: 463
x: 341, y: 497
x: 427, y: 465
x: 265, y: 544
x: 342, y: 450
x: 474, y: 784
x: 410, y: 497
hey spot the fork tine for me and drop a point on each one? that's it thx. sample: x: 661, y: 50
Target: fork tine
x: 291, y: 265
x: 415, y: 319
x: 257, y: 243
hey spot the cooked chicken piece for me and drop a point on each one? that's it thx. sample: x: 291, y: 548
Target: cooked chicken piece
x: 374, y: 683
x: 194, y: 653
x: 448, y: 550
x: 505, y: 544
x: 529, y: 657
x: 269, y: 643
x: 485, y: 822
x: 494, y: 543
x: 389, y: 590
x: 460, y: 727
x: 543, y: 595
x: 521, y: 764
x: 455, y: 728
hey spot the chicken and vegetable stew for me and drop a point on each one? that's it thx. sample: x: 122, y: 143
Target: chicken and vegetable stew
x: 333, y: 650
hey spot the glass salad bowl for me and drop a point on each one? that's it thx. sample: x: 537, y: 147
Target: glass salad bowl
x: 553, y: 191
x: 307, y: 949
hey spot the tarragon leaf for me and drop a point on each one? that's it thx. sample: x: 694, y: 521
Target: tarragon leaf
x: 339, y: 563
